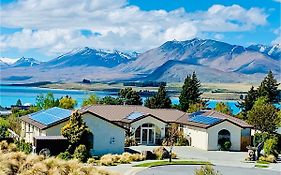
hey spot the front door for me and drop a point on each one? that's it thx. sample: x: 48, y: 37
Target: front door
x: 147, y: 136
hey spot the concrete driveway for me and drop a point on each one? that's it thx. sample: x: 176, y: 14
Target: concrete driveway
x: 189, y: 170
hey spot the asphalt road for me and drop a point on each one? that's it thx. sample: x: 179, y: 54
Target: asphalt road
x: 189, y: 170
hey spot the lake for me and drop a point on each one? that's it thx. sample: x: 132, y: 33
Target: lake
x: 10, y: 94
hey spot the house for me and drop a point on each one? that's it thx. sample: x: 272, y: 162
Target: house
x: 206, y: 128
x: 107, y: 137
x: 203, y: 129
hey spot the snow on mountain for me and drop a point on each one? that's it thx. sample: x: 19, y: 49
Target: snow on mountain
x: 8, y: 61
x: 91, y: 57
x: 26, y: 62
x: 272, y: 51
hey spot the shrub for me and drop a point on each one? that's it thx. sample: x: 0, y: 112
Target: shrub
x: 137, y: 157
x: 4, y: 145
x: 91, y: 161
x: 225, y: 144
x: 174, y: 155
x: 270, y: 147
x: 65, y: 155
x: 12, y: 147
x: 161, y: 153
x: 81, y: 153
x: 206, y: 170
x: 130, y: 141
x: 108, y: 160
x: 24, y: 147
x: 271, y: 158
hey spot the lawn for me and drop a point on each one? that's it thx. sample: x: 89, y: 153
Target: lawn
x: 179, y: 162
x: 261, y: 166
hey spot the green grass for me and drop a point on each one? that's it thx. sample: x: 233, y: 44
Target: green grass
x: 261, y: 166
x: 181, y: 162
x: 262, y: 162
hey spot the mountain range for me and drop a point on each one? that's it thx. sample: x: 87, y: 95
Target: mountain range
x: 213, y: 61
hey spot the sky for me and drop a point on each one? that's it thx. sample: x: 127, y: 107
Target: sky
x: 45, y: 29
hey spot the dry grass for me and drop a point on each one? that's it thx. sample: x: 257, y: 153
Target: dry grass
x: 19, y: 163
x: 115, y: 159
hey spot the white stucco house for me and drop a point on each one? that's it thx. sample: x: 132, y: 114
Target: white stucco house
x: 203, y: 129
x: 107, y: 137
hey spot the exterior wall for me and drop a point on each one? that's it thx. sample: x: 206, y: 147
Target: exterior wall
x: 199, y: 137
x: 161, y: 125
x: 235, y: 136
x: 108, y: 138
x: 55, y: 130
x: 28, y: 131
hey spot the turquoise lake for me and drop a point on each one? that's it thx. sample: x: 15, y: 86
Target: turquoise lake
x: 10, y: 94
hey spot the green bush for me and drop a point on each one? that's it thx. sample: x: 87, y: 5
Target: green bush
x: 24, y: 147
x: 65, y: 155
x: 81, y: 153
x: 260, y: 137
x: 224, y: 144
x: 270, y: 147
x: 206, y: 170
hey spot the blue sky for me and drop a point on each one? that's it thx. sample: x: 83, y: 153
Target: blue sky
x: 44, y: 29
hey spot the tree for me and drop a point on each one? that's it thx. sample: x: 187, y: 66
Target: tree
x: 77, y: 132
x: 248, y: 103
x: 4, y: 125
x: 159, y: 100
x: 269, y: 88
x: 108, y: 100
x: 190, y: 93
x: 67, y: 102
x: 224, y: 108
x: 130, y: 97
x: 172, y: 136
x: 91, y: 100
x: 263, y: 116
x: 19, y: 103
x: 197, y: 106
x: 46, y: 102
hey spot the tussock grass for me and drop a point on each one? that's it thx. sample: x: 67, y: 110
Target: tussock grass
x: 22, y: 164
x: 115, y: 159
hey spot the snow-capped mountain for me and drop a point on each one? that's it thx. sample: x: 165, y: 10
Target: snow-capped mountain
x: 26, y: 62
x: 204, y: 52
x: 214, y: 61
x: 91, y: 57
x: 7, y: 61
x: 272, y: 51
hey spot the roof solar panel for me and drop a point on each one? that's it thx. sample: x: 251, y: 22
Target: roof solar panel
x: 208, y: 120
x: 50, y: 116
x: 134, y: 115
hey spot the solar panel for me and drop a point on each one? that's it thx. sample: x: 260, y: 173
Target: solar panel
x: 204, y: 119
x: 50, y: 116
x: 134, y: 115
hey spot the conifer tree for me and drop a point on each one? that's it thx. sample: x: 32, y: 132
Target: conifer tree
x: 190, y: 93
x: 76, y: 131
x: 248, y: 103
x: 269, y: 88
x: 130, y: 97
x: 159, y: 100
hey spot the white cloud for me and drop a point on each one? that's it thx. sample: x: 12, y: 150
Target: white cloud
x: 57, y: 24
x: 277, y: 1
x: 277, y: 40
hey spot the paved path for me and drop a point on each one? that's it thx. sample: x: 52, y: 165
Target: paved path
x: 189, y: 170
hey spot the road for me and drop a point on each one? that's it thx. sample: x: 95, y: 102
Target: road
x: 189, y: 170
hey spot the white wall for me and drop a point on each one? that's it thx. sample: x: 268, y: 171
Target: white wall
x: 161, y: 125
x: 104, y: 132
x: 199, y: 137
x: 235, y: 135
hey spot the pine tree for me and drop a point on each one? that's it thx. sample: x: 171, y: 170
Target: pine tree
x: 130, y: 97
x: 76, y: 131
x: 159, y: 100
x: 248, y: 103
x: 190, y: 93
x: 18, y: 103
x: 269, y: 88
x: 224, y: 108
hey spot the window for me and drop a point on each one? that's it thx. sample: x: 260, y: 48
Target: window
x: 223, y: 135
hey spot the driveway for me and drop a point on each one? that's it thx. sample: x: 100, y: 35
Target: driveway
x: 189, y: 170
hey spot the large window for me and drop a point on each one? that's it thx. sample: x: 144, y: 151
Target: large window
x: 223, y: 136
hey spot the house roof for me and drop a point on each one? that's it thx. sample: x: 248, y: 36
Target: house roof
x: 130, y: 113
x: 46, y: 118
x: 209, y: 118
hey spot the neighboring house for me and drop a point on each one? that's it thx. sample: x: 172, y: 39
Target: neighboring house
x: 107, y: 137
x: 203, y: 128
